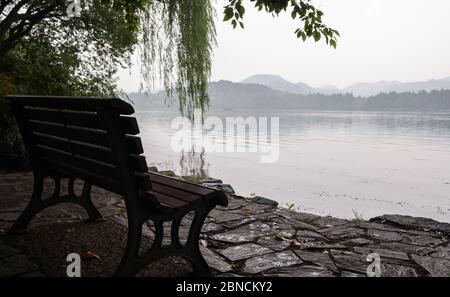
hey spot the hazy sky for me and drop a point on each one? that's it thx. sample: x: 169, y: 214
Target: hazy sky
x: 406, y: 40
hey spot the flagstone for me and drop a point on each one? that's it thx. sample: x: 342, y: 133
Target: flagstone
x: 245, y: 251
x: 266, y: 262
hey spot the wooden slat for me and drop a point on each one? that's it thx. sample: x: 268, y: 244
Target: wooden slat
x: 175, y: 193
x: 85, y: 150
x: 49, y: 129
x: 134, y: 144
x: 95, y: 137
x: 75, y: 103
x: 138, y: 163
x: 101, y: 169
x: 175, y: 188
x: 169, y: 201
x: 90, y: 136
x: 83, y: 119
x: 79, y: 119
x: 47, y: 115
x: 129, y: 125
x: 92, y: 152
x: 73, y: 118
x: 179, y: 184
x: 102, y: 154
x: 50, y: 141
x: 69, y: 171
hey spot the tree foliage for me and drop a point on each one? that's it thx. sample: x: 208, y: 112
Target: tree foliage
x: 65, y: 56
x: 309, y: 16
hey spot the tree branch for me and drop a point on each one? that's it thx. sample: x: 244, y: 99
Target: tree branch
x: 36, y: 12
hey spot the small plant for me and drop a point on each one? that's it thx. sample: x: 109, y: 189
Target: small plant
x: 358, y: 216
x: 196, y: 178
x: 291, y: 206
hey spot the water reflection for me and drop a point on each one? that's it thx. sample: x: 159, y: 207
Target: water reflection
x: 193, y: 163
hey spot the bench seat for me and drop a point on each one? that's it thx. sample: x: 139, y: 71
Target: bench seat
x: 175, y: 195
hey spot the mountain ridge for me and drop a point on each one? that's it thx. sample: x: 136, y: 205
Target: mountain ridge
x: 229, y: 95
x: 363, y: 89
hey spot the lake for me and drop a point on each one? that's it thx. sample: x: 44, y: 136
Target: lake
x: 343, y: 164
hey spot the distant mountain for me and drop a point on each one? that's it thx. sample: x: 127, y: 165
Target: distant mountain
x: 441, y: 84
x: 370, y: 89
x: 229, y: 95
x: 276, y: 82
x: 359, y: 89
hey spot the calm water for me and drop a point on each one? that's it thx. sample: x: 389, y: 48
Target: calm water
x: 330, y: 163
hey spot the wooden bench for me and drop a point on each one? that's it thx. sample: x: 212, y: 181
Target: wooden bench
x: 94, y: 140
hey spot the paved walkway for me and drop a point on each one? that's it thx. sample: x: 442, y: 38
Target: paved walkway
x: 14, y: 263
x: 252, y: 237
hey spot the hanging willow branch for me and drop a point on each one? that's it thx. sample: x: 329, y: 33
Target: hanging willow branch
x: 178, y: 37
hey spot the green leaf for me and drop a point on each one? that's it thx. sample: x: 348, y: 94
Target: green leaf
x: 240, y: 9
x: 333, y: 43
x: 303, y: 36
x: 316, y: 36
x: 228, y: 14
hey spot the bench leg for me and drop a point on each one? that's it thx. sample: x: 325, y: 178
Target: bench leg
x: 85, y: 201
x: 199, y: 264
x: 33, y: 207
x: 132, y: 262
x: 36, y: 203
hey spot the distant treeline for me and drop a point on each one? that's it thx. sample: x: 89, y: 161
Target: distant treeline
x: 229, y: 95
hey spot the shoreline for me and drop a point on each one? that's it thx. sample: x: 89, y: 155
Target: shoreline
x: 358, y: 214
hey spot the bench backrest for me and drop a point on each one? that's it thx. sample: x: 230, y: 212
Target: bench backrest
x: 90, y: 138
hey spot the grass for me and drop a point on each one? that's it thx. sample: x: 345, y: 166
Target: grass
x: 196, y: 179
x: 291, y: 206
x: 358, y: 216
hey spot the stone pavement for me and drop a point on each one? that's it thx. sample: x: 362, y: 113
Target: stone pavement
x: 15, y: 263
x: 252, y: 237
